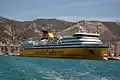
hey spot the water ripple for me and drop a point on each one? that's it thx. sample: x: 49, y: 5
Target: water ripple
x: 23, y: 68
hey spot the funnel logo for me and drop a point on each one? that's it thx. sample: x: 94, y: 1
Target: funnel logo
x: 92, y: 52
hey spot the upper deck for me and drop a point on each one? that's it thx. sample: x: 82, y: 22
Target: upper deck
x: 87, y: 34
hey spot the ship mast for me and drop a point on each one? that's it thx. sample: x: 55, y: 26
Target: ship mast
x: 82, y: 27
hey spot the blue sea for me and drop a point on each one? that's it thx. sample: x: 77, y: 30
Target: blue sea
x: 28, y: 68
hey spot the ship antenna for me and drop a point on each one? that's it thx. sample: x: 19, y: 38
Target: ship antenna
x: 79, y: 28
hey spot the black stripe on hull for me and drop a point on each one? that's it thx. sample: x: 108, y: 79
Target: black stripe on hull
x: 77, y: 46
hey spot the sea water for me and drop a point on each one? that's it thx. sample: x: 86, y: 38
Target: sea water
x: 29, y: 68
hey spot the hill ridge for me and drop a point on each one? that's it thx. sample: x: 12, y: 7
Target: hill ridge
x: 20, y: 30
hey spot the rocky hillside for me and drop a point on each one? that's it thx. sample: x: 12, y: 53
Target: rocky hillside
x: 17, y: 30
x: 107, y: 30
x: 21, y: 30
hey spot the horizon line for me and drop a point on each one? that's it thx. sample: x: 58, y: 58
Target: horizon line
x: 68, y: 19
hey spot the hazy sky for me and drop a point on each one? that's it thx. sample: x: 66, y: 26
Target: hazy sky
x: 61, y: 9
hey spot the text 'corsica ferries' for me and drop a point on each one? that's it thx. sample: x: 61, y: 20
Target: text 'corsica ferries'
x: 79, y: 45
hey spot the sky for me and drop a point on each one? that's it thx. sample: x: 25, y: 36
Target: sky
x: 70, y: 10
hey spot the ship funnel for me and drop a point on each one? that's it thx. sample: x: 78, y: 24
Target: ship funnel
x: 46, y: 35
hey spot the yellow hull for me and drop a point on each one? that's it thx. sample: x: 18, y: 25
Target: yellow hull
x: 83, y: 53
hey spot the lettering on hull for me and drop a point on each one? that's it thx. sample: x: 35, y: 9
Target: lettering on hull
x: 47, y: 51
x: 92, y: 52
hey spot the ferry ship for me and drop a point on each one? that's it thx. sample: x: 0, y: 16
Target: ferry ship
x: 78, y: 45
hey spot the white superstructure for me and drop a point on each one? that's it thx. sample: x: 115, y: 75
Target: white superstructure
x: 82, y: 38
